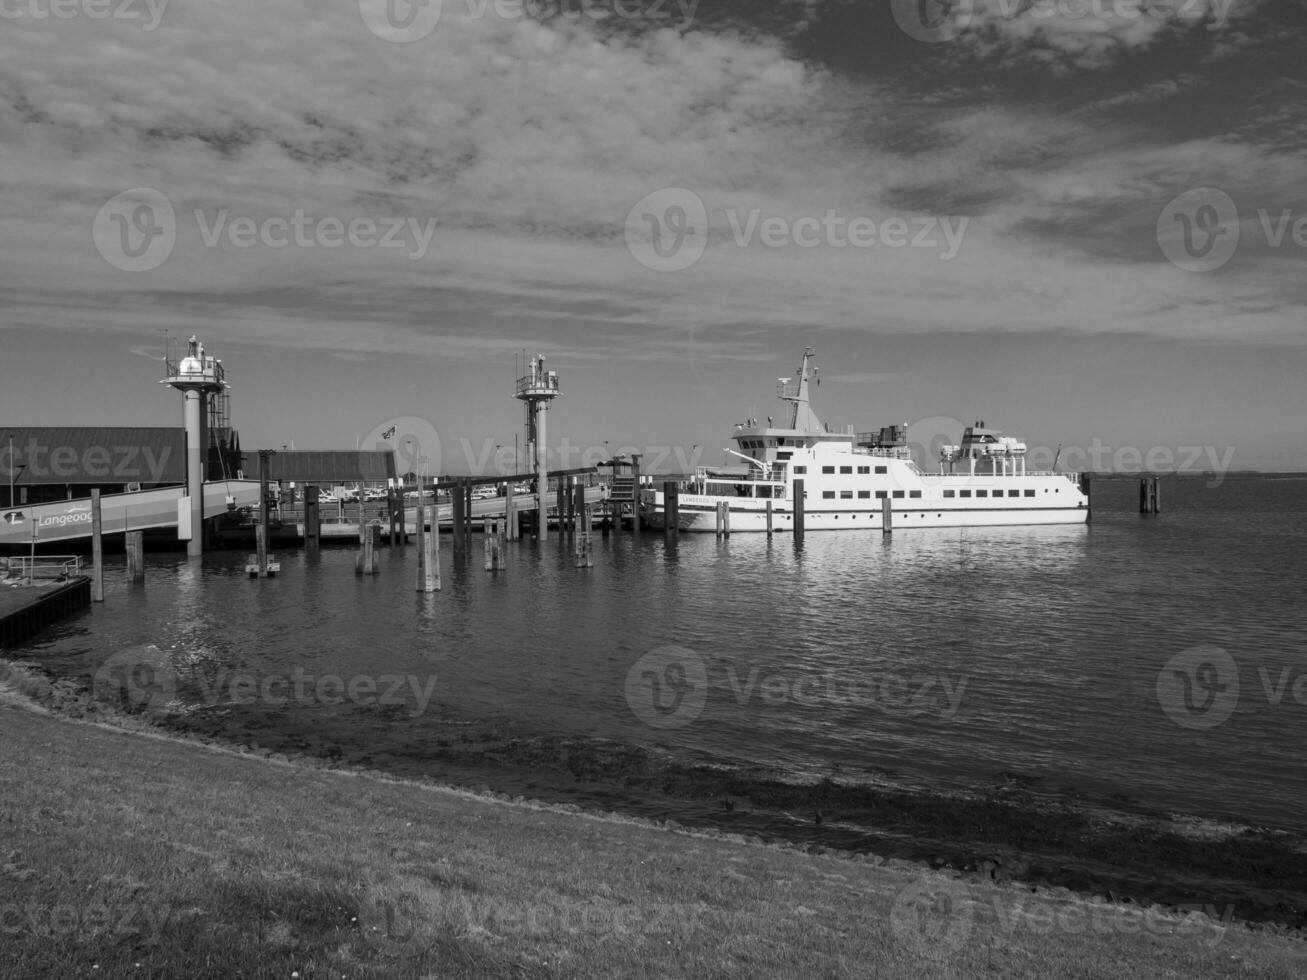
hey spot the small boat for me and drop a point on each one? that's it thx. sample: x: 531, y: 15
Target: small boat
x: 849, y: 476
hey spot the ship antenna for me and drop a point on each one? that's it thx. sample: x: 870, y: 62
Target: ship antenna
x: 1056, y: 455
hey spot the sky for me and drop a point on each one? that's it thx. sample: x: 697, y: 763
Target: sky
x: 1082, y: 221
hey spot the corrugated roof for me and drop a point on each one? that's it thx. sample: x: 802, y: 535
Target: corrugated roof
x: 92, y: 455
x: 325, y: 466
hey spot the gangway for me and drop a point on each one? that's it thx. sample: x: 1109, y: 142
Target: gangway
x: 143, y: 510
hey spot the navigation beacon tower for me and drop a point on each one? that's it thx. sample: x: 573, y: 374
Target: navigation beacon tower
x: 203, y: 381
x: 537, y: 388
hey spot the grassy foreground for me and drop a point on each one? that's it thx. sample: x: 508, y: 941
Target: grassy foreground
x: 125, y: 854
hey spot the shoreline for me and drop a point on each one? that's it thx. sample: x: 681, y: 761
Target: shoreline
x: 1255, y: 875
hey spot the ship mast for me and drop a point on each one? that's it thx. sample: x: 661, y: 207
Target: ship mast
x: 802, y: 418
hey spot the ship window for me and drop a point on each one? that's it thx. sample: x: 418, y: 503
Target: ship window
x: 864, y: 494
x: 846, y: 469
x: 982, y: 493
x: 898, y: 494
x: 950, y: 493
x: 914, y: 493
x: 785, y: 455
x: 828, y: 495
x: 1030, y: 493
x: 846, y: 494
x: 880, y: 494
x: 864, y: 469
x: 882, y: 469
x: 1014, y: 493
x: 964, y: 493
x: 800, y: 469
x: 828, y: 469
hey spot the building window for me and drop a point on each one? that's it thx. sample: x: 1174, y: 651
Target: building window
x: 864, y: 469
x: 882, y: 469
x: 828, y: 495
x: 1030, y: 493
x: 800, y: 469
x: 964, y: 493
x: 898, y: 494
x: 950, y: 493
x: 828, y: 469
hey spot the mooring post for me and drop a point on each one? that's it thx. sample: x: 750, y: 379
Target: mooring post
x: 136, y: 557
x: 97, y: 549
x: 262, y: 538
x: 560, y: 492
x: 367, y: 559
x: 1147, y: 499
x: 578, y: 507
x: 494, y: 547
x: 312, y: 519
x: 799, y: 500
x: 511, y: 529
x: 428, y: 546
x: 887, y: 515
x: 457, y: 502
x: 1157, y: 495
x: 635, y: 493
x: 769, y: 517
x: 467, y: 513
x: 671, y: 510
x: 583, y: 548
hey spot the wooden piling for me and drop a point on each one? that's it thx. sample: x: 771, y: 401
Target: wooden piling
x: 561, y: 503
x: 366, y: 564
x: 578, y: 506
x: 428, y: 546
x: 494, y: 545
x: 458, y: 502
x: 512, y: 528
x: 261, y: 534
x: 671, y: 510
x: 635, y: 493
x: 887, y: 515
x: 799, y: 502
x: 97, y: 549
x: 769, y: 517
x: 1150, y: 496
x: 1157, y: 495
x: 136, y: 557
x: 312, y: 519
x: 584, y: 550
x: 467, y: 513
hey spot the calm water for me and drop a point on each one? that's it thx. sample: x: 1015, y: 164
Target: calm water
x: 946, y: 658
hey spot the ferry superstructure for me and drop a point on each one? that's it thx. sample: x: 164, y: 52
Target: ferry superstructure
x: 848, y: 475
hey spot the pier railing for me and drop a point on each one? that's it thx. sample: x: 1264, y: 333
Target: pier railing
x: 45, y: 566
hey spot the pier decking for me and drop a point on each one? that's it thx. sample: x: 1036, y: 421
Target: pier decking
x: 25, y: 610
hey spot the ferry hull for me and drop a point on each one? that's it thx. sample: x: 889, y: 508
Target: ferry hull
x: 697, y: 519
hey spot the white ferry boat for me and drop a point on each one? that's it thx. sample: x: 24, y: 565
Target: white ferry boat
x: 848, y: 476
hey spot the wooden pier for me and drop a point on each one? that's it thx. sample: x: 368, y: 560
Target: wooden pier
x: 25, y: 610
